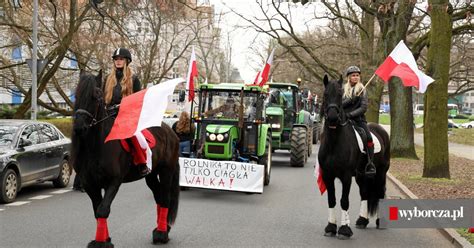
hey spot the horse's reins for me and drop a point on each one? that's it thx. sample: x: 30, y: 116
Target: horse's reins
x: 94, y: 119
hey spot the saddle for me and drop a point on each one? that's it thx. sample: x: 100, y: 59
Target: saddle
x: 361, y: 137
x: 138, y: 153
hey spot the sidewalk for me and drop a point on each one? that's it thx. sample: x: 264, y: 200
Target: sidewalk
x: 459, y: 150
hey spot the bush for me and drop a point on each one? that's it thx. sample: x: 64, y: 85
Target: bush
x: 460, y: 116
x: 6, y: 112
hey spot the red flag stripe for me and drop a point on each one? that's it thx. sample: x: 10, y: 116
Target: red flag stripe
x: 265, y: 73
x: 266, y: 70
x: 390, y: 68
x: 256, y: 78
x: 321, y: 185
x: 192, y: 73
x: 129, y: 119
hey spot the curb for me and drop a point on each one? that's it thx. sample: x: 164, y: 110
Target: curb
x: 451, y: 234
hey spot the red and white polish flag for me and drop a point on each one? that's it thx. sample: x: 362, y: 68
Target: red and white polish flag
x: 318, y: 173
x: 142, y: 110
x: 192, y: 73
x: 266, y: 69
x: 401, y: 63
x: 255, y: 81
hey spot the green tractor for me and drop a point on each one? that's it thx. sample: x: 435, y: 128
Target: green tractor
x: 291, y: 125
x: 310, y: 104
x: 230, y: 126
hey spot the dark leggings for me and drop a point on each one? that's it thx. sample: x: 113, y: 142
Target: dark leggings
x: 363, y: 125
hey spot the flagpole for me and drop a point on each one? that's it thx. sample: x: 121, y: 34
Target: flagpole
x: 365, y: 86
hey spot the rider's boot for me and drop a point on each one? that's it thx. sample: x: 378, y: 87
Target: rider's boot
x: 143, y: 169
x: 370, y: 167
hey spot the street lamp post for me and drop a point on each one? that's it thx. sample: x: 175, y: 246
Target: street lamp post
x: 34, y: 68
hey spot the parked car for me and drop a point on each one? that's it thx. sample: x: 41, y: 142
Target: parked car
x: 466, y: 112
x: 451, y: 124
x: 31, y: 152
x: 468, y: 124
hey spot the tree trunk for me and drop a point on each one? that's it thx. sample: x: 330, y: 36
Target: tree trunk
x: 436, y: 162
x: 368, y: 63
x: 401, y: 132
x: 402, y: 120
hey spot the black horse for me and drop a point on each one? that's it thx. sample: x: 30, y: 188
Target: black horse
x: 106, y: 166
x: 339, y: 157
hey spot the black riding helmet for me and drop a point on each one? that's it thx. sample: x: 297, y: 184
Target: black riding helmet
x: 352, y: 69
x: 124, y: 53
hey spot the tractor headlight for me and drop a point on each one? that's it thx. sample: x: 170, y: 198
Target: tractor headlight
x: 220, y: 137
x: 212, y: 137
x: 276, y: 125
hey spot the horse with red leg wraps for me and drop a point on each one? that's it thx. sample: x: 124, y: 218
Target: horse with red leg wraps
x: 105, y: 166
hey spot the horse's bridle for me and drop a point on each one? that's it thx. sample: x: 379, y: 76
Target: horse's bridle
x: 93, y: 118
x: 341, y: 120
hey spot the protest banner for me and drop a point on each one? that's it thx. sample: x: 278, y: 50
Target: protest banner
x: 222, y: 175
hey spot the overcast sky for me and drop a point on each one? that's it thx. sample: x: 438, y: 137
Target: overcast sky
x: 242, y: 39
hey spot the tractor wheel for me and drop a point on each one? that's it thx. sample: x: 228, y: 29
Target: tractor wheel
x: 266, y: 160
x: 310, y: 141
x: 315, y: 134
x: 299, y: 153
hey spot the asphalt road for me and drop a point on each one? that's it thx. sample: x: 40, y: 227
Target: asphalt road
x: 290, y: 213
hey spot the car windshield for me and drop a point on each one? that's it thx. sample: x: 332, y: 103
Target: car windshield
x: 7, y: 133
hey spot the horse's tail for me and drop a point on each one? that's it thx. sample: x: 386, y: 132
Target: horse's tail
x: 377, y: 190
x: 174, y: 196
x: 377, y: 185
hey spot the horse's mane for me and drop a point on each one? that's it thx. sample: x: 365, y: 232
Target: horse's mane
x: 86, y: 98
x: 84, y: 90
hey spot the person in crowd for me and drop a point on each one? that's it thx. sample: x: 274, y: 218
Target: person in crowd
x: 185, y: 131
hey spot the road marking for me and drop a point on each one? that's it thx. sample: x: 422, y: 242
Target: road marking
x: 39, y: 197
x: 17, y: 203
x: 1, y: 209
x: 61, y: 191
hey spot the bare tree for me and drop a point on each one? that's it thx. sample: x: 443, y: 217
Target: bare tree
x: 62, y: 22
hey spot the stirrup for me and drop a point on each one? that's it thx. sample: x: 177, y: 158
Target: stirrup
x: 370, y: 170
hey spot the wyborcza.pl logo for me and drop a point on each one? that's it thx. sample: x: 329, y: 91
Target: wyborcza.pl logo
x: 426, y: 213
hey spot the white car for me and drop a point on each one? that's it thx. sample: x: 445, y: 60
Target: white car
x: 468, y: 124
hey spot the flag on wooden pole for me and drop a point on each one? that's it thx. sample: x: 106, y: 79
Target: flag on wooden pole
x: 401, y: 63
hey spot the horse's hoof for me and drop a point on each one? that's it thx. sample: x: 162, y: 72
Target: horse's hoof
x: 160, y: 237
x: 96, y: 244
x: 330, y: 230
x: 344, y: 232
x: 362, y: 222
